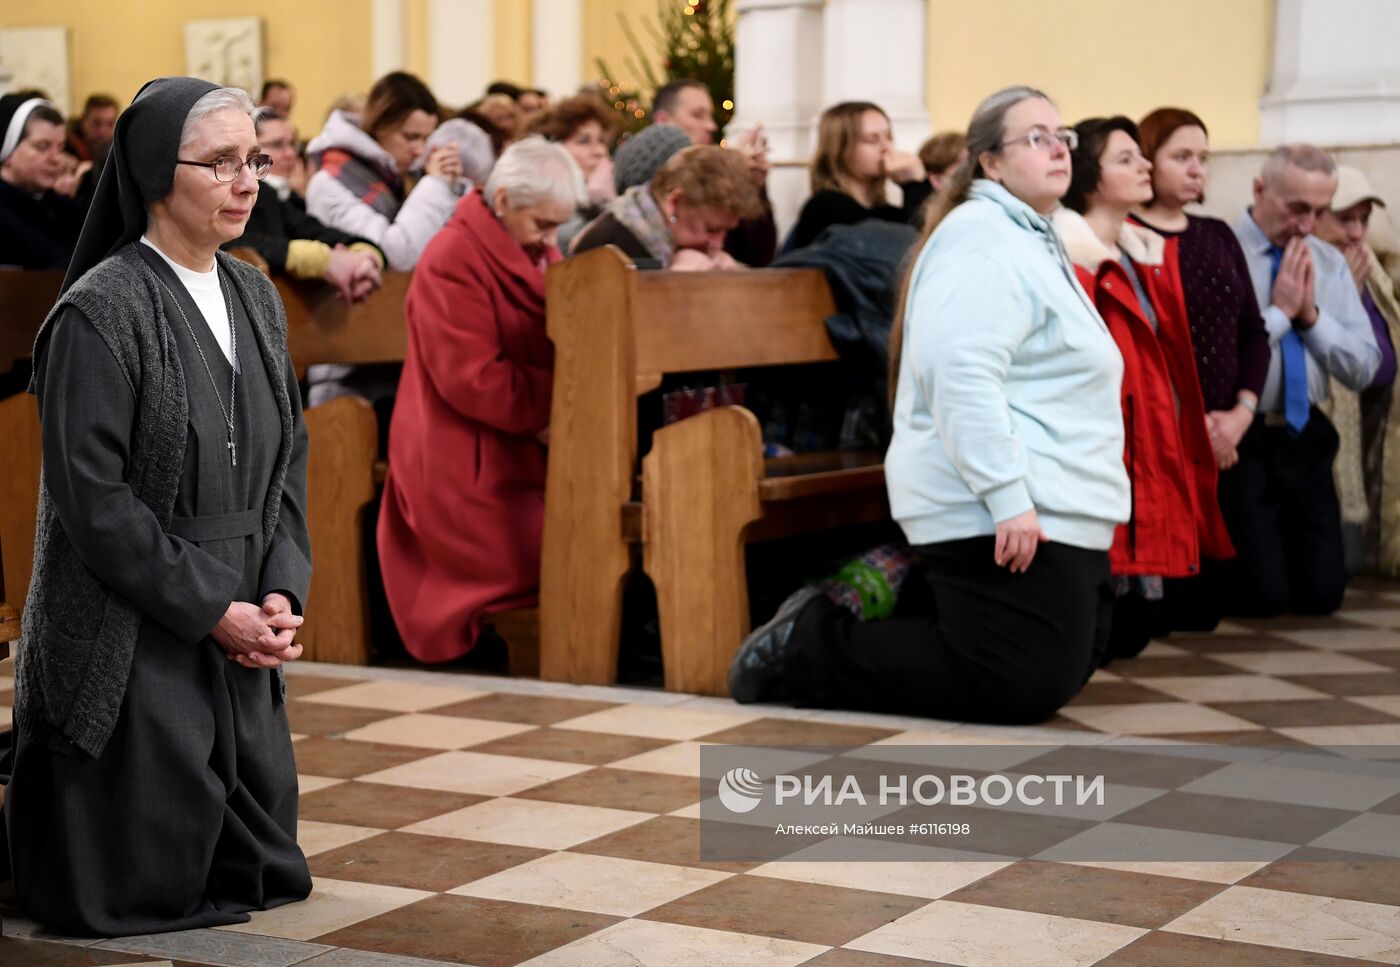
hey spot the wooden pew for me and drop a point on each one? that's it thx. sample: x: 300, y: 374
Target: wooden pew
x: 705, y: 489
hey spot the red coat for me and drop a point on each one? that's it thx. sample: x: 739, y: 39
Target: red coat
x: 459, y: 528
x: 1171, y: 465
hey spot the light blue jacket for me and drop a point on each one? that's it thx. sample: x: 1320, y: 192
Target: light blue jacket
x: 1009, y: 386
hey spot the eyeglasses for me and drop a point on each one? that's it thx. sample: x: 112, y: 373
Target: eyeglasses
x: 1043, y: 139
x: 227, y: 168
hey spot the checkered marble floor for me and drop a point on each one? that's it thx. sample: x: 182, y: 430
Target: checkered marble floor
x: 492, y: 822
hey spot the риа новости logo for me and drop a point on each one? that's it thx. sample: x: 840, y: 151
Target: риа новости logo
x: 740, y: 790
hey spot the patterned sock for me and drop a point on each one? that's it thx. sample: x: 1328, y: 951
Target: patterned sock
x: 868, y: 585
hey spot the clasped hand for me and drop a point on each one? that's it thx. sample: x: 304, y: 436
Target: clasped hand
x: 259, y: 637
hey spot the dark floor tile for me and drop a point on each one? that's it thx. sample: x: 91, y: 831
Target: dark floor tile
x: 315, y: 718
x: 38, y: 953
x: 1324, y: 872
x: 571, y: 745
x: 1107, y: 896
x: 348, y: 759
x: 419, y: 862
x: 383, y: 807
x: 1180, y: 950
x: 492, y: 933
x: 1391, y: 807
x: 1297, y: 622
x: 648, y: 792
x: 796, y: 732
x: 1298, y: 713
x: 1390, y: 658
x: 665, y: 839
x: 524, y: 709
x: 1265, y: 738
x: 1124, y: 765
x: 859, y: 958
x: 1118, y: 693
x: 1171, y: 666
x: 1351, y: 685
x: 998, y: 832
x: 805, y: 912
x: 1230, y: 816
x: 1224, y: 644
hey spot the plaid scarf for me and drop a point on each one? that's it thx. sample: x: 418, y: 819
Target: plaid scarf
x: 373, y: 185
x: 640, y: 215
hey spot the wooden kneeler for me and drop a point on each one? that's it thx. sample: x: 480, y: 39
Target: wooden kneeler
x: 700, y: 489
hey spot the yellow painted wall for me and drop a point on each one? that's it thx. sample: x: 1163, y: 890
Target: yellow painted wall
x: 321, y: 46
x: 1099, y: 57
x: 513, y: 46
x: 603, y: 37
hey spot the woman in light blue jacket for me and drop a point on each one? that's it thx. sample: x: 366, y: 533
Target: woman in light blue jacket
x: 1005, y: 470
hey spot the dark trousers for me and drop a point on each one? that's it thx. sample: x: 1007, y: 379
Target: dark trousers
x: 1281, y: 507
x: 971, y: 641
x: 1375, y: 415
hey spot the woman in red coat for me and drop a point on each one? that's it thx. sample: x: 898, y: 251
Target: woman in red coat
x: 1134, y: 278
x: 459, y: 529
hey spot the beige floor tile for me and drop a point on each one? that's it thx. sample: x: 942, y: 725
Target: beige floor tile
x: 314, y: 837
x: 594, y: 884
x: 911, y: 874
x: 1389, y: 704
x: 429, y: 731
x: 1150, y: 718
x: 1345, y: 734
x: 1344, y: 639
x: 479, y: 773
x: 528, y: 822
x: 1298, y: 663
x: 1226, y: 628
x: 1104, y: 675
x: 1376, y: 618
x: 310, y: 784
x: 1208, y: 872
x: 659, y: 723
x: 978, y: 936
x: 333, y: 904
x: 1297, y: 786
x: 642, y: 943
x: 1114, y: 842
x: 1370, y: 833
x: 1160, y: 649
x: 1232, y: 688
x: 393, y: 696
x: 680, y: 759
x: 1341, y: 928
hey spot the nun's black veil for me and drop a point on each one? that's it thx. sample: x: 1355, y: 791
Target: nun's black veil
x: 140, y: 169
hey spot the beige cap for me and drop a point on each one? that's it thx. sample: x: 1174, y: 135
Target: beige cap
x: 1352, y: 189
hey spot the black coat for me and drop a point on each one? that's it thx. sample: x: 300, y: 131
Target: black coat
x: 273, y: 224
x: 37, y: 232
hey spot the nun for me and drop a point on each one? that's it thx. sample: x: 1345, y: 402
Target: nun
x: 153, y: 784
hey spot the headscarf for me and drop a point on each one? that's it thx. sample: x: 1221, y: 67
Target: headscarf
x: 14, y: 112
x: 140, y: 169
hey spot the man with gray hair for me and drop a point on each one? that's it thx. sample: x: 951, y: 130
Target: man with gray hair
x: 1280, y: 501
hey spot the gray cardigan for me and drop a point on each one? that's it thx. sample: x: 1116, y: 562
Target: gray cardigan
x: 71, y: 688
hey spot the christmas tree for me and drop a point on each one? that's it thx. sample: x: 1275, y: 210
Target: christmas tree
x: 694, y: 40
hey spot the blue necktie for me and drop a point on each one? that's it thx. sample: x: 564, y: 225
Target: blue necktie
x: 1295, y: 363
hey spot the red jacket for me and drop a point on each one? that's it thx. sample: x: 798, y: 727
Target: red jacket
x: 459, y: 528
x: 1171, y: 465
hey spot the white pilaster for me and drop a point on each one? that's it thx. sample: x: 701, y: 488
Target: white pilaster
x: 461, y: 49
x: 778, y: 82
x: 556, y: 38
x: 1336, y: 79
x: 389, y: 44
x: 875, y: 51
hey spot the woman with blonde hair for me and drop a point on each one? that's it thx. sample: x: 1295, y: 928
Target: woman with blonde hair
x: 678, y: 220
x: 1005, y: 471
x: 855, y: 159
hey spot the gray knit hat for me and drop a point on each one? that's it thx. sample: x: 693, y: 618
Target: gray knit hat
x: 643, y: 154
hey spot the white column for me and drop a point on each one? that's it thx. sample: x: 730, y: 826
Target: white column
x: 461, y: 49
x: 556, y: 38
x: 875, y: 51
x: 1336, y: 77
x: 778, y: 81
x: 388, y: 52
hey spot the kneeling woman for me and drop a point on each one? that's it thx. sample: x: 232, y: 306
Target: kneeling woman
x: 1134, y: 277
x: 1005, y: 470
x: 460, y: 525
x: 154, y: 787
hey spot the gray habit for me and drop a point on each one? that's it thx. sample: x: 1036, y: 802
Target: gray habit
x: 188, y: 817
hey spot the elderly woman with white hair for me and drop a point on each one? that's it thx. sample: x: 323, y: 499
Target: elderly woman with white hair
x: 459, y: 527
x: 153, y: 784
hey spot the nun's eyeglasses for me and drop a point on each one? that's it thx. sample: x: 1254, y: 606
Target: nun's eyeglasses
x: 227, y: 168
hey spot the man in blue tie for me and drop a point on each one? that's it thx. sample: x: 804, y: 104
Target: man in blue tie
x: 1279, y: 500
